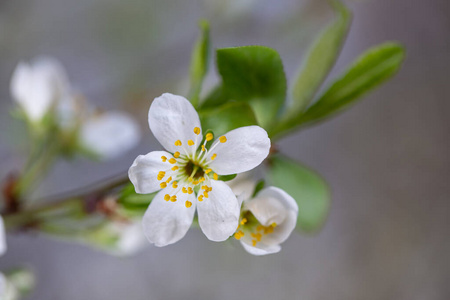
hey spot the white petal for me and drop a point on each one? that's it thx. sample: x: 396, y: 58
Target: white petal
x: 242, y: 186
x: 144, y: 171
x: 261, y: 249
x: 110, y: 134
x: 273, y: 205
x: 131, y: 239
x: 173, y: 118
x: 245, y: 149
x: 166, y: 222
x: 218, y: 214
x: 2, y: 237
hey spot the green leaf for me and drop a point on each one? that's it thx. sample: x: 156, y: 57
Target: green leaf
x: 259, y: 186
x: 227, y: 177
x: 255, y: 75
x: 309, y: 190
x: 132, y: 200
x: 374, y: 67
x: 227, y: 117
x: 199, y: 63
x: 319, y: 61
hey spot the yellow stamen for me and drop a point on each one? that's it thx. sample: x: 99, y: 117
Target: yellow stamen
x: 215, y: 176
x: 207, y: 171
x: 197, y: 130
x: 178, y: 143
x: 188, y: 204
x: 202, y: 179
x: 209, y: 136
x: 189, y: 190
x: 184, y: 190
x: 243, y: 221
x: 200, y: 198
x: 203, y: 148
x: 190, y: 142
x: 223, y: 139
x: 163, y: 185
x: 254, y: 242
x: 173, y: 198
x: 172, y: 160
x: 169, y: 179
x: 175, y: 168
x: 260, y: 227
x: 176, y: 154
x: 163, y: 158
x: 273, y: 224
x: 205, y: 193
x: 175, y: 184
x: 213, y: 157
x: 167, y: 197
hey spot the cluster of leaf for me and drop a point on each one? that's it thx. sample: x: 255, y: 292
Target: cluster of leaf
x: 253, y: 91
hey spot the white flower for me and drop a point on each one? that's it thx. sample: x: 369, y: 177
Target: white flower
x: 266, y: 221
x: 189, y: 174
x: 37, y: 86
x: 42, y: 88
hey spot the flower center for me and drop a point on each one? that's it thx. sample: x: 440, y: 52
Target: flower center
x: 190, y: 168
x: 250, y: 225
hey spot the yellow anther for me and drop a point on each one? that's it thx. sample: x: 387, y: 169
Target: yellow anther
x: 172, y: 160
x: 163, y: 158
x: 160, y: 177
x: 215, y: 176
x: 243, y: 221
x: 176, y: 154
x: 175, y: 168
x: 169, y: 179
x: 204, y: 187
x: 203, y: 148
x: 188, y: 204
x: 197, y: 130
x: 200, y: 198
x: 202, y: 179
x: 190, y: 142
x: 258, y: 237
x: 237, y: 236
x: 184, y: 190
x: 163, y: 185
x: 273, y: 224
x: 213, y: 157
x: 167, y: 197
x: 260, y: 227
x: 209, y: 136
x: 175, y: 184
x: 205, y: 193
x: 190, y: 179
x: 178, y: 143
x: 254, y: 242
x: 161, y: 173
x: 209, y: 189
x: 222, y: 139
x: 190, y: 190
x: 207, y: 171
x: 173, y: 198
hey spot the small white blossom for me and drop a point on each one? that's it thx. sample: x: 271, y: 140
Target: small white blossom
x: 42, y: 88
x: 266, y: 221
x: 189, y: 173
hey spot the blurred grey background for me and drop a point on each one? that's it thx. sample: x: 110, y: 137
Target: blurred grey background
x: 387, y: 159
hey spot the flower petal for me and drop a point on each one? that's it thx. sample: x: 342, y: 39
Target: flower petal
x: 143, y: 173
x: 166, y: 222
x: 245, y: 148
x: 173, y: 118
x: 110, y: 134
x: 2, y: 237
x: 218, y: 214
x: 261, y: 249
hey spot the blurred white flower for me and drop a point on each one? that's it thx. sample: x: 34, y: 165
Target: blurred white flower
x: 130, y: 238
x: 36, y: 86
x: 7, y: 290
x: 2, y: 237
x: 41, y: 88
x: 189, y: 174
x: 266, y: 221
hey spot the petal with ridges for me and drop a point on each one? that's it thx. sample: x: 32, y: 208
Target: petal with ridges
x: 245, y: 148
x: 167, y: 222
x: 173, y: 118
x: 144, y: 171
x: 218, y: 214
